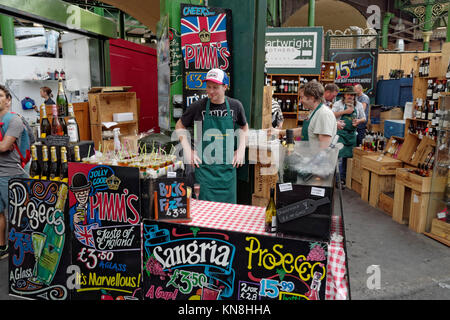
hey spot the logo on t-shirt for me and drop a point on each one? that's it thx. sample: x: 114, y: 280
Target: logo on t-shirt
x: 218, y: 113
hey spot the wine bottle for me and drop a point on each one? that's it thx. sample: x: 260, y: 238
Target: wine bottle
x: 46, y: 128
x: 431, y: 110
x: 64, y: 168
x: 430, y: 89
x: 73, y: 130
x: 35, y: 167
x: 45, y: 165
x: 57, y: 129
x: 61, y: 100
x: 271, y: 214
x: 53, y: 164
x: 54, y: 240
x: 76, y: 154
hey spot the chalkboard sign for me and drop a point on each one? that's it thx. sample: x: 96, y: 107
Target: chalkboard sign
x: 356, y: 66
x: 299, y: 209
x: 38, y: 239
x: 60, y: 141
x: 185, y: 262
x: 171, y: 199
x: 105, y: 220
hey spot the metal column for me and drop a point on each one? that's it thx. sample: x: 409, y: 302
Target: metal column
x: 311, y: 12
x: 427, y: 28
x: 7, y: 31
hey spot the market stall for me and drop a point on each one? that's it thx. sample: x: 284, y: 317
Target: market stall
x: 93, y: 239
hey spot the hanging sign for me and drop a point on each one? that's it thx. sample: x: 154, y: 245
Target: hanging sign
x: 356, y: 66
x: 205, y: 44
x: 293, y: 50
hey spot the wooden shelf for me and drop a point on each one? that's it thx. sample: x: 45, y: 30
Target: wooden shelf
x: 285, y: 94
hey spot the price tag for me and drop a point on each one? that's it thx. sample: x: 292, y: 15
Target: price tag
x: 285, y: 187
x: 171, y: 174
x: 317, y: 191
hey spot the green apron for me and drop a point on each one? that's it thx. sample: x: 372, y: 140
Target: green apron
x: 347, y: 136
x: 217, y: 181
x: 305, y: 135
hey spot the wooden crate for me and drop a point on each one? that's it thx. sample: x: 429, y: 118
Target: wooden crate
x: 259, y: 201
x: 440, y: 231
x: 378, y: 176
x: 412, y: 195
x: 105, y: 101
x: 386, y: 203
x: 266, y: 177
x: 408, y: 148
x: 358, y: 153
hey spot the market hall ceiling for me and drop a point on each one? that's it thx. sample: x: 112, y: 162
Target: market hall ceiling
x: 145, y: 11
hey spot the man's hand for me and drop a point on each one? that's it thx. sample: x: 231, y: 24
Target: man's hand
x: 191, y: 157
x: 239, y: 157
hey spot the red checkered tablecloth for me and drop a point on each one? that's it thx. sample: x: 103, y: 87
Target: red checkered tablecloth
x: 250, y: 219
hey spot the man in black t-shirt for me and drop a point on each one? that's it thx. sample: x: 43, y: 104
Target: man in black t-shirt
x: 215, y: 168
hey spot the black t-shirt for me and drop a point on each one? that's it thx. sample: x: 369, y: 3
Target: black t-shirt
x: 196, y: 112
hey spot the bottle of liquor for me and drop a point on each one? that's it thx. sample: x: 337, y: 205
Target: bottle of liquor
x: 430, y: 89
x: 56, y: 74
x: 53, y: 164
x: 46, y: 128
x: 274, y: 84
x: 424, y: 112
x: 288, y: 105
x: 419, y: 109
x: 54, y: 240
x: 296, y: 86
x: 281, y: 88
x: 271, y: 214
x: 421, y: 68
x: 35, y: 167
x: 73, y: 130
x: 61, y: 100
x: 57, y: 129
x: 63, y: 75
x: 45, y: 174
x: 286, y: 86
x: 76, y: 154
x: 436, y: 90
x: 431, y: 110
x: 64, y: 168
x: 426, y: 69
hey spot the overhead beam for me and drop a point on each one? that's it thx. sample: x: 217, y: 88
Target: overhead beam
x: 60, y: 14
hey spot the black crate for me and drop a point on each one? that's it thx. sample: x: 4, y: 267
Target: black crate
x: 314, y: 226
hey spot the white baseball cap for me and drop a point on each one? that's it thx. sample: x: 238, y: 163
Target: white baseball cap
x: 217, y: 76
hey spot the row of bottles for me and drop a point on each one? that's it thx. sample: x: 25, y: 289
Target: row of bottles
x: 424, y: 67
x: 288, y: 105
x: 56, y: 74
x: 50, y: 168
x: 425, y: 111
x: 423, y: 129
x: 434, y: 89
x: 285, y: 86
x: 373, y: 141
x: 59, y: 126
x: 423, y: 169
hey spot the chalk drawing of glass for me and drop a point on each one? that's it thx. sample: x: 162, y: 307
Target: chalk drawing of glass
x: 210, y: 292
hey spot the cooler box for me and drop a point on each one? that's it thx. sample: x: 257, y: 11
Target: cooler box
x: 394, y: 128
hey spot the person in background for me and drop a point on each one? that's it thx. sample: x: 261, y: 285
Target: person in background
x: 320, y: 127
x: 352, y: 114
x: 330, y: 94
x: 365, y: 101
x: 10, y: 166
x: 47, y: 95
